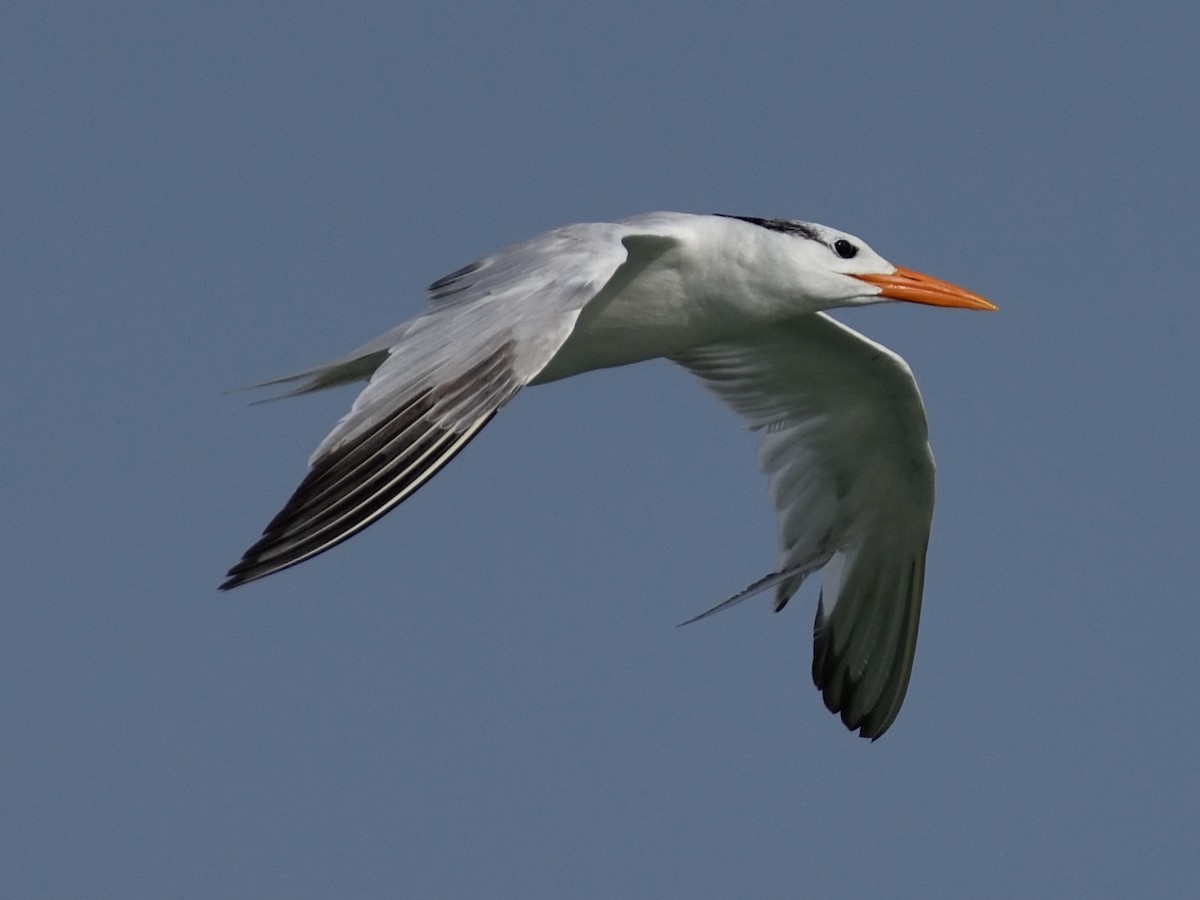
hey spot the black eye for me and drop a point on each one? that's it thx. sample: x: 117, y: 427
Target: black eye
x: 844, y: 249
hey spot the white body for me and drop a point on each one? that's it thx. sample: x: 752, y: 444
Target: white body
x: 736, y: 301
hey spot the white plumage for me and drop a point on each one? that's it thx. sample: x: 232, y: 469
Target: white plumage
x: 738, y: 302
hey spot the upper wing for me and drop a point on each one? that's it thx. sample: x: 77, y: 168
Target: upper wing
x: 436, y: 381
x: 846, y: 452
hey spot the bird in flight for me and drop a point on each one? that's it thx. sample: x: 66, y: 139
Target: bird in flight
x: 740, y: 303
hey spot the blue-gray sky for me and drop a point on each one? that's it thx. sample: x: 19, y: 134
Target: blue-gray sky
x: 486, y: 694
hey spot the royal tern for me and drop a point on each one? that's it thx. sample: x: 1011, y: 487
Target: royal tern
x: 739, y: 302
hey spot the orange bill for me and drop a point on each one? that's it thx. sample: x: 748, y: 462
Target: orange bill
x: 905, y: 284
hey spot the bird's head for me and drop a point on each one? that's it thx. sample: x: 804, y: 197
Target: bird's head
x: 835, y: 269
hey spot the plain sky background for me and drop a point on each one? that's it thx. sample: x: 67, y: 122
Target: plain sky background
x: 485, y: 695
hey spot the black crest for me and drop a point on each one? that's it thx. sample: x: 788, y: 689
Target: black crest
x: 784, y: 226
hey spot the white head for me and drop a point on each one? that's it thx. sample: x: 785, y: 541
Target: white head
x: 835, y: 269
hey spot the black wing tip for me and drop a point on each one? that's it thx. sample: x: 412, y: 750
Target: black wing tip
x: 839, y: 690
x: 270, y: 554
x: 243, y: 574
x: 254, y: 565
x: 355, y: 485
x: 873, y: 730
x: 264, y: 556
x: 839, y: 694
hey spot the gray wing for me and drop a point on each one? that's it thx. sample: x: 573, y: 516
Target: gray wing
x: 845, y: 448
x: 436, y: 381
